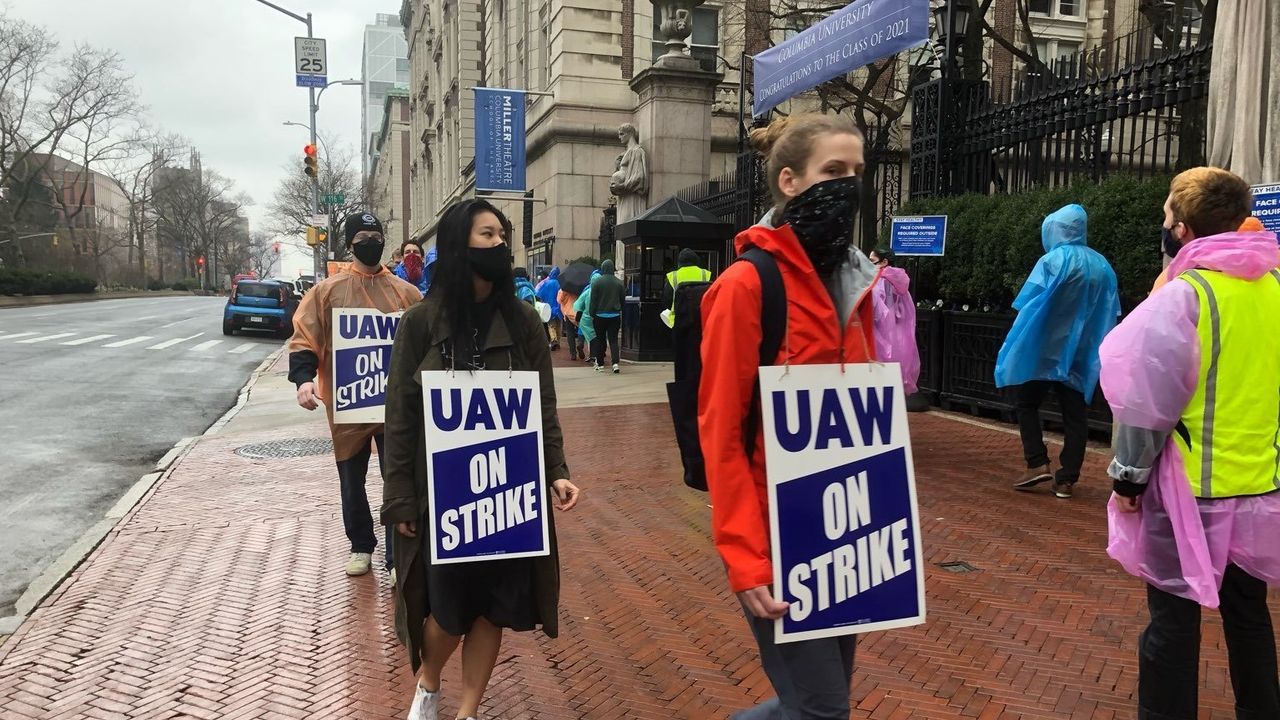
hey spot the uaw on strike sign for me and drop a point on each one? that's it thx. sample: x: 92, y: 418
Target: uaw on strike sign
x: 842, y: 500
x: 362, y: 341
x: 485, y: 475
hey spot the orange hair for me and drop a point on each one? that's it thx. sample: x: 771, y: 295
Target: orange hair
x: 1209, y: 200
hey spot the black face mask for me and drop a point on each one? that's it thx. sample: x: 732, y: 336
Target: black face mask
x: 1169, y: 242
x: 368, y: 252
x: 822, y: 217
x: 492, y: 263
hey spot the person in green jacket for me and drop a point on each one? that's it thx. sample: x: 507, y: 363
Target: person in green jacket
x: 605, y: 310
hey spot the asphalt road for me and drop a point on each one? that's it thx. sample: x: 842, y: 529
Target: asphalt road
x: 91, y: 395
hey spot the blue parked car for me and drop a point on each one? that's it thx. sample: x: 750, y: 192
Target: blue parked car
x: 260, y: 305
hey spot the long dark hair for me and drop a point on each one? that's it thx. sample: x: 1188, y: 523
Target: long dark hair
x: 452, y: 280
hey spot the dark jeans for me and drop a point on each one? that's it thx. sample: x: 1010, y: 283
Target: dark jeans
x: 607, y: 329
x: 1169, y: 652
x: 357, y: 518
x: 1075, y: 421
x: 811, y: 677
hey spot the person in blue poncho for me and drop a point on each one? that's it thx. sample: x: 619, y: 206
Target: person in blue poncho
x: 524, y: 287
x: 1067, y: 306
x: 547, y: 291
x: 413, y: 268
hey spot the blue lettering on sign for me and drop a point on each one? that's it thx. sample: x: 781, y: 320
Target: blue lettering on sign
x: 509, y: 406
x: 869, y: 409
x: 367, y: 327
x: 846, y: 545
x: 488, y: 498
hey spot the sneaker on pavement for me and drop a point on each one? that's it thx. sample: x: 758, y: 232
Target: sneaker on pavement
x: 615, y: 369
x: 1062, y: 489
x: 1033, y: 477
x: 599, y: 367
x: 393, y: 577
x: 358, y: 563
x: 426, y: 705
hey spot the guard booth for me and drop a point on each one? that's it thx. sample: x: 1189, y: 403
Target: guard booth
x: 651, y: 244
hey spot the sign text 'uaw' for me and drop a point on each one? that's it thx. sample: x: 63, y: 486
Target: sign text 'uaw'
x: 845, y: 532
x: 362, y: 341
x: 485, y: 471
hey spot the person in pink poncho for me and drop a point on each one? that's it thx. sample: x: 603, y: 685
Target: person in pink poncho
x: 1193, y: 379
x: 895, y: 318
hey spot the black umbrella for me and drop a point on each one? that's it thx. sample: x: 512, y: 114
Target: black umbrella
x: 575, y: 278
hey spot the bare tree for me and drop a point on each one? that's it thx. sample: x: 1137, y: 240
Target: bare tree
x: 264, y: 254
x: 290, y: 209
x: 134, y: 174
x: 198, y: 216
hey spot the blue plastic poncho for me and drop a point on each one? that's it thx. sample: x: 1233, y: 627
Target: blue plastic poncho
x: 1065, y: 309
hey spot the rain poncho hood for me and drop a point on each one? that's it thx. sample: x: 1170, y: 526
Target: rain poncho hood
x: 313, y: 330
x: 1150, y: 366
x: 1066, y: 307
x: 524, y: 290
x: 548, y: 290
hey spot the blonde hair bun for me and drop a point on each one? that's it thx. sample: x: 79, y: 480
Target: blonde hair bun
x: 763, y: 139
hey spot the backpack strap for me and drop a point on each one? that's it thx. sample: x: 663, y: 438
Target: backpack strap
x: 773, y: 303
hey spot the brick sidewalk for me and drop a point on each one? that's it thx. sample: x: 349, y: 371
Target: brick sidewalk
x: 222, y: 596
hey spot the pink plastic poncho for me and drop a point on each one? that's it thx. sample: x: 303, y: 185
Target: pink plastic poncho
x: 1150, y: 363
x: 895, y: 325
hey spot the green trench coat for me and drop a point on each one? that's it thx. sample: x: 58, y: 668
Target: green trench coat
x: 404, y: 496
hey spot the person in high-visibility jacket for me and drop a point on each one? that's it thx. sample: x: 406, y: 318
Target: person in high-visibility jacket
x: 689, y: 271
x: 1193, y: 379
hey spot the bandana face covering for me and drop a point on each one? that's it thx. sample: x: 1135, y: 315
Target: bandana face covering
x: 822, y: 217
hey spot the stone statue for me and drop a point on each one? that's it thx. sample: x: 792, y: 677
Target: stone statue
x: 630, y: 182
x: 677, y: 23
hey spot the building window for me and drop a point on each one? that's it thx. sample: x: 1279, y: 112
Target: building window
x: 1056, y: 8
x: 544, y: 49
x: 703, y: 45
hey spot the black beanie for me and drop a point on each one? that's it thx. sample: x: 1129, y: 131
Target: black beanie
x: 359, y: 222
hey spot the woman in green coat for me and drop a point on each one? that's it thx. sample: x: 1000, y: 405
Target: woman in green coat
x: 469, y: 320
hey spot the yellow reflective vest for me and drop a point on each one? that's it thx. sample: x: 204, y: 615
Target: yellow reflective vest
x: 690, y: 273
x: 1229, y: 436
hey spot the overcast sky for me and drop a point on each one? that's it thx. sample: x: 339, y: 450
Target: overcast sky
x: 220, y: 73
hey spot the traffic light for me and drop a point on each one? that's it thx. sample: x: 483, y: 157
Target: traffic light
x: 316, y: 236
x: 200, y: 261
x: 310, y: 165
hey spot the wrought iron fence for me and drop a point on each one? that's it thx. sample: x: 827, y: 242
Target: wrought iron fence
x: 1136, y: 105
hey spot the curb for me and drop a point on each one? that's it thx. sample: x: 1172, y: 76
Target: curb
x: 21, y: 301
x: 80, y: 550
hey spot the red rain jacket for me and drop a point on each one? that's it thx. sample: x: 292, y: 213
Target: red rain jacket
x: 730, y: 363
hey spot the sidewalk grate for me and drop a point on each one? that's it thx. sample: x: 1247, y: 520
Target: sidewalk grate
x: 957, y: 566
x: 291, y: 448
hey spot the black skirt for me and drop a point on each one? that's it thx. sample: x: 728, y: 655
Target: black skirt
x: 500, y: 591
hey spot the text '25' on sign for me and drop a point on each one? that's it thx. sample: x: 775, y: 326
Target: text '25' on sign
x: 361, y: 342
x: 485, y: 469
x: 842, y: 502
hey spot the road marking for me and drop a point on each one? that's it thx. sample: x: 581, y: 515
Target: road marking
x: 176, y: 322
x: 15, y: 335
x: 243, y: 348
x: 42, y: 338
x: 86, y: 341
x: 146, y: 317
x: 130, y: 341
x: 171, y: 343
x: 205, y: 345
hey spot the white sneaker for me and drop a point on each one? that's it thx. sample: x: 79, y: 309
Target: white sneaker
x: 615, y: 369
x: 358, y: 563
x: 426, y: 705
x: 393, y: 578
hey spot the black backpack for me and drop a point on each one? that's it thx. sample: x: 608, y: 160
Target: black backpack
x: 682, y: 393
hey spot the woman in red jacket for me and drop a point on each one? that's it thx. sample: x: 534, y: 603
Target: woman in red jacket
x: 813, y: 166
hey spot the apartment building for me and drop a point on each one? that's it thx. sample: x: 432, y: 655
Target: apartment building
x: 389, y: 178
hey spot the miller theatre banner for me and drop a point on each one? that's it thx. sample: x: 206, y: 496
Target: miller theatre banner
x: 842, y: 500
x: 361, y: 358
x: 486, y: 476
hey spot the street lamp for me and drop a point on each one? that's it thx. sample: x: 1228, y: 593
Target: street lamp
x: 952, y: 18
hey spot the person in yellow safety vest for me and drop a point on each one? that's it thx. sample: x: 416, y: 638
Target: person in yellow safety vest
x: 689, y: 271
x: 1193, y: 380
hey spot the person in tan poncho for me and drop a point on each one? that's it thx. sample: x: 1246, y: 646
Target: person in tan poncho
x: 366, y: 284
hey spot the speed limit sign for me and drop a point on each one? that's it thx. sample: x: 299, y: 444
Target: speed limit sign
x: 311, y: 61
